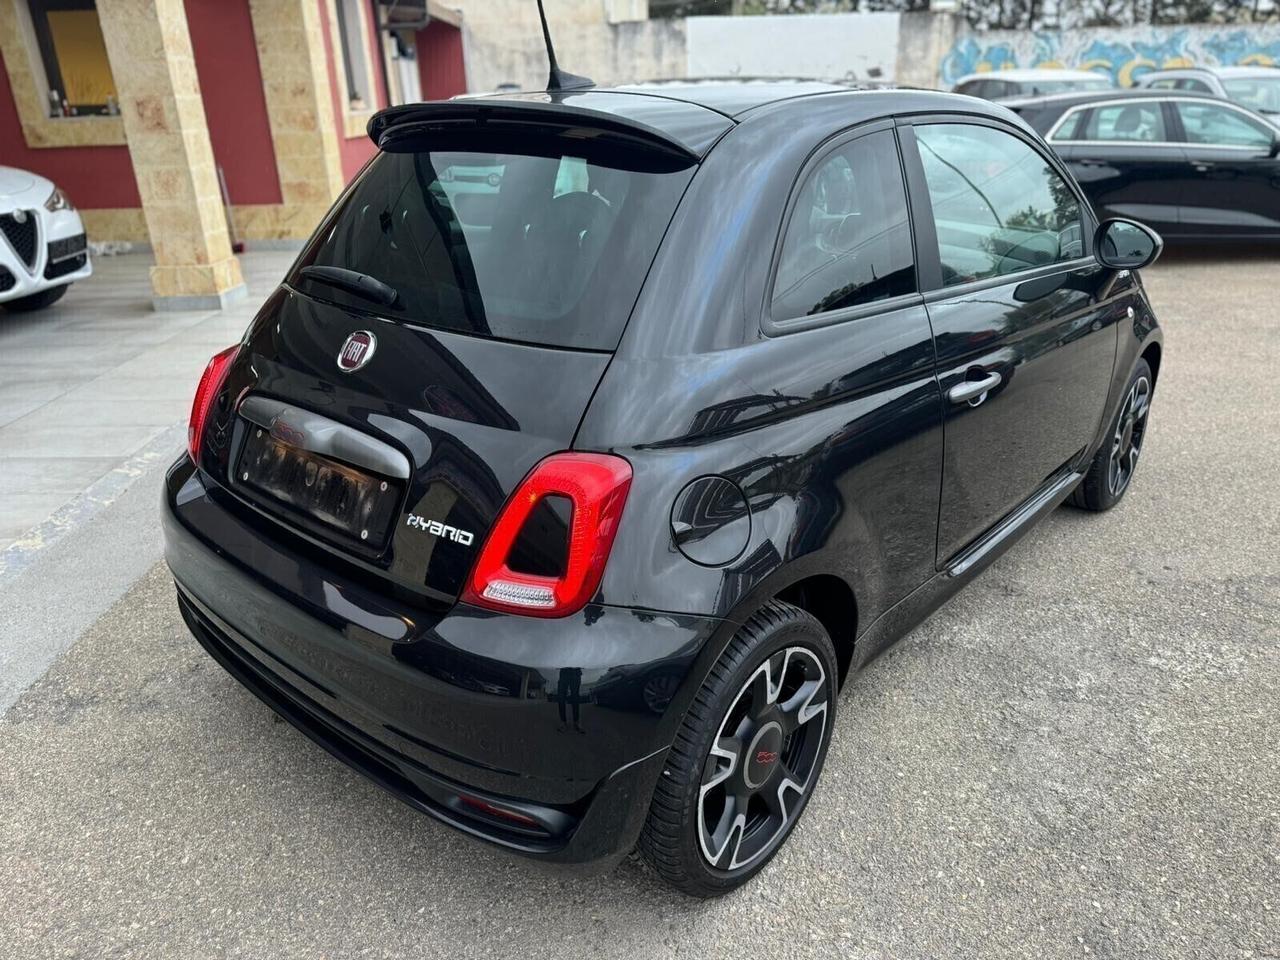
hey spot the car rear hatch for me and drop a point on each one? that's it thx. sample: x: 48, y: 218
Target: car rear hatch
x: 442, y: 332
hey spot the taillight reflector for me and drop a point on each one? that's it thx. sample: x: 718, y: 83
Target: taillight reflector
x: 596, y: 486
x: 502, y: 813
x: 215, y: 375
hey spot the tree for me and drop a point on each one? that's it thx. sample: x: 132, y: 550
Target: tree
x: 1005, y: 14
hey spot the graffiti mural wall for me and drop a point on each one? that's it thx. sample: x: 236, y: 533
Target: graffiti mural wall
x: 1124, y: 54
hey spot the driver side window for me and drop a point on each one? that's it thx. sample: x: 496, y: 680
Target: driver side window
x: 1211, y: 124
x: 998, y: 205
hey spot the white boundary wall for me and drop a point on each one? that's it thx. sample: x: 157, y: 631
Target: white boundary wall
x: 829, y: 46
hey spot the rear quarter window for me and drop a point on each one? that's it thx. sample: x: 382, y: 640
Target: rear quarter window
x: 848, y: 240
x: 545, y: 244
x: 1070, y: 128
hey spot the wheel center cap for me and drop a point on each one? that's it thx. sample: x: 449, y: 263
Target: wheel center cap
x: 762, y: 755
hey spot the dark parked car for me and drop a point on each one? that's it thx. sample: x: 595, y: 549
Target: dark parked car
x: 566, y: 521
x: 1189, y: 165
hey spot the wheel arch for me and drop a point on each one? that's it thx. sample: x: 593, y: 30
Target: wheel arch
x: 1151, y: 354
x: 830, y: 601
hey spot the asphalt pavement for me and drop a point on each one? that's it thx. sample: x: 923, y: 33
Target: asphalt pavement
x: 1077, y: 757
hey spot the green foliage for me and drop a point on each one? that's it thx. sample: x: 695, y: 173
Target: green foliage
x: 1071, y: 14
x: 1004, y: 14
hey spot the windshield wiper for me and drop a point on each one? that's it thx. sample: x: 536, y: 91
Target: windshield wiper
x: 361, y: 284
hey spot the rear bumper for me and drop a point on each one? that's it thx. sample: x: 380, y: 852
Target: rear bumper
x: 564, y: 723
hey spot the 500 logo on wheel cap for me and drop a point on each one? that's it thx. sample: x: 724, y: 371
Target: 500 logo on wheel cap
x: 357, y: 351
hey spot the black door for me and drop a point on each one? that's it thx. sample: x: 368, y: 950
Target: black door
x: 1024, y: 347
x: 1230, y: 186
x: 1125, y: 159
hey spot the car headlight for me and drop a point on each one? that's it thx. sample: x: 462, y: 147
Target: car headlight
x: 58, y: 201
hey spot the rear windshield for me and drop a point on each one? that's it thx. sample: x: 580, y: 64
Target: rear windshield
x: 549, y: 245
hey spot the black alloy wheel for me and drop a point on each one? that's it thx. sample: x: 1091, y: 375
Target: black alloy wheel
x: 1126, y: 441
x: 763, y: 759
x: 748, y: 755
x: 1111, y: 471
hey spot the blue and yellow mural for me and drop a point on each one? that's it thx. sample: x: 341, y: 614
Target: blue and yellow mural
x: 1124, y: 54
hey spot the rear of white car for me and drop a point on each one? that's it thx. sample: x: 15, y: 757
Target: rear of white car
x: 43, y: 248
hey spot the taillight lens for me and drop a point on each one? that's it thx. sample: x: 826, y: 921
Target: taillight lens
x: 596, y: 485
x: 215, y: 375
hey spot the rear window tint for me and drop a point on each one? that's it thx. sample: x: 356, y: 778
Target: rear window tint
x: 544, y: 246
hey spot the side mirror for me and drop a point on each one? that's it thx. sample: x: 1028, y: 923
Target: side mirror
x: 1126, y: 244
x: 1275, y: 147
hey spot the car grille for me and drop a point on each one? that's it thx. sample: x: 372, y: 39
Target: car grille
x: 7, y: 280
x: 66, y: 247
x: 21, y: 235
x: 68, y: 265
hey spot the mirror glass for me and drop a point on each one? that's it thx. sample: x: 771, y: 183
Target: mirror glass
x: 1123, y: 245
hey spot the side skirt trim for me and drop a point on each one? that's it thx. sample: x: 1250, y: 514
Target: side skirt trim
x: 913, y: 609
x: 992, y: 544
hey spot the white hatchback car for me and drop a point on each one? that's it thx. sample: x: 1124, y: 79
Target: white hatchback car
x: 43, y: 249
x: 1255, y: 87
x: 1006, y: 84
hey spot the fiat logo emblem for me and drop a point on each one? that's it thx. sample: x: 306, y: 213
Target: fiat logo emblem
x: 357, y: 351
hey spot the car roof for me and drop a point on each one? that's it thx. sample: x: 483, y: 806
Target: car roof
x: 1065, y: 100
x: 689, y: 114
x: 1256, y: 70
x: 1034, y: 74
x: 727, y: 96
x: 733, y: 95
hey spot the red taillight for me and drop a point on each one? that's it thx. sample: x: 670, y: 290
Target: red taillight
x: 596, y: 486
x: 215, y: 374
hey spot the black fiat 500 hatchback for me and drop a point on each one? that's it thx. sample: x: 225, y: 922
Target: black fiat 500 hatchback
x: 596, y: 438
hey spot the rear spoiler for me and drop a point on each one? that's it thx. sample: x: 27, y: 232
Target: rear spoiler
x: 396, y: 124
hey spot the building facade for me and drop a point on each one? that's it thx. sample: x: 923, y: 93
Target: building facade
x: 149, y: 112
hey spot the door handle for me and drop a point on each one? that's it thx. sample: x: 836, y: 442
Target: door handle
x: 1091, y: 162
x: 1202, y: 166
x: 970, y: 390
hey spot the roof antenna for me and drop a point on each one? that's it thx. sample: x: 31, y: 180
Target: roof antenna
x: 559, y: 79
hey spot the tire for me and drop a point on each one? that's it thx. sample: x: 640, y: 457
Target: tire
x: 778, y: 748
x: 37, y: 301
x: 1108, y: 478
